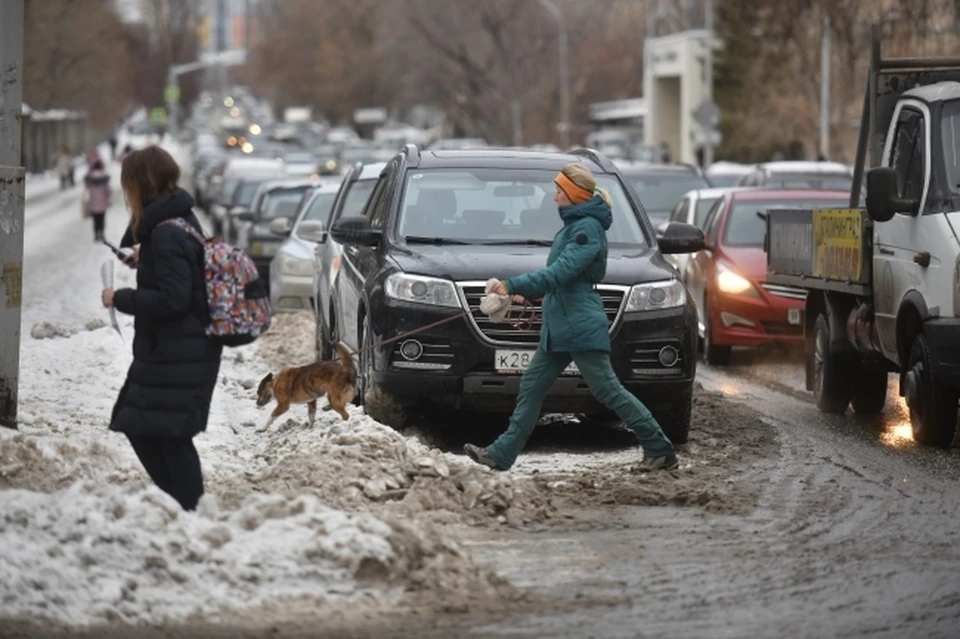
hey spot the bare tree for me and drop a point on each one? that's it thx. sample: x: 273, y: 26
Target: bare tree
x: 77, y: 55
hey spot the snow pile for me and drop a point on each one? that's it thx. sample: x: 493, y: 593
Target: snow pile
x: 103, y: 553
x: 48, y: 464
x: 362, y: 465
x: 49, y: 330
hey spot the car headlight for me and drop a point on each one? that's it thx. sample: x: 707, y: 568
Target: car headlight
x: 295, y: 266
x: 422, y: 290
x: 731, y: 282
x: 654, y: 296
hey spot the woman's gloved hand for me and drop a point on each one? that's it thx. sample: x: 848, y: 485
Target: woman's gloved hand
x: 495, y: 304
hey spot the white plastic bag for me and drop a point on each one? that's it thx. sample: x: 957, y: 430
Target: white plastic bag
x: 106, y: 274
x: 493, y: 305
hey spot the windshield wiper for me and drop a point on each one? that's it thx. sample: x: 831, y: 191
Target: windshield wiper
x: 519, y: 243
x: 420, y: 239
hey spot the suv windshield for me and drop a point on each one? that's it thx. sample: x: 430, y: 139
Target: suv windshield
x: 950, y: 134
x: 499, y: 205
x: 281, y: 203
x: 745, y: 226
x: 660, y: 193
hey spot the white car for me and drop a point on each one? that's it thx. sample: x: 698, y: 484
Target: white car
x: 727, y: 173
x: 692, y: 208
x: 796, y: 174
x: 293, y: 269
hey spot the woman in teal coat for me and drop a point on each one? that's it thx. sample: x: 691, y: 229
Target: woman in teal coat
x: 574, y: 327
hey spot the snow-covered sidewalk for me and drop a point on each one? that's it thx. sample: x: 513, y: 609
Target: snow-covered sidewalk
x: 347, y: 509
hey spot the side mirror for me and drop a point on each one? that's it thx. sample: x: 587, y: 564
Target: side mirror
x: 312, y: 230
x: 681, y: 238
x: 883, y: 195
x: 280, y: 226
x: 661, y: 229
x: 355, y: 231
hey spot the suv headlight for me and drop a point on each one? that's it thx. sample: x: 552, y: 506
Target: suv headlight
x: 298, y: 267
x: 422, y: 290
x: 731, y: 282
x: 655, y: 296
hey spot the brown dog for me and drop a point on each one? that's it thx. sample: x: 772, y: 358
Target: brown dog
x: 306, y: 384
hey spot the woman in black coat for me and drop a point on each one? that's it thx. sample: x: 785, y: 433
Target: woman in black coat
x: 166, y: 398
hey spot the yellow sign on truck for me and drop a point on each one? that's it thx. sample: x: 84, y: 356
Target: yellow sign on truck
x: 837, y: 244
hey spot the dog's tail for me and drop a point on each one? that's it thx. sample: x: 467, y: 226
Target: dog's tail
x: 346, y: 359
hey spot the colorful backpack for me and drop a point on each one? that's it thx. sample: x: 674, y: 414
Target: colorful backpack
x: 238, y: 299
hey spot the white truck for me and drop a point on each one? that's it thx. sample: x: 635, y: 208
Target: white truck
x: 883, y: 284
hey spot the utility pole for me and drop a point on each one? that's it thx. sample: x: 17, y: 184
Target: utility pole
x: 517, y: 123
x: 564, y: 124
x: 708, y: 143
x: 11, y: 207
x: 825, y: 90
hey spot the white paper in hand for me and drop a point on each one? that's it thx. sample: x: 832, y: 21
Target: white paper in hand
x: 106, y: 274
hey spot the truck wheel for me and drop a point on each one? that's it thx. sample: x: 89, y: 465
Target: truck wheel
x: 675, y: 421
x: 379, y: 405
x: 831, y: 372
x: 715, y: 354
x: 933, y: 406
x: 869, y: 392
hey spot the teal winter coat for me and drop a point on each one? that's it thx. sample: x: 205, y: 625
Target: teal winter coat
x: 573, y: 315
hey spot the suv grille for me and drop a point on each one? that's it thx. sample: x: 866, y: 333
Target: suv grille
x: 505, y: 333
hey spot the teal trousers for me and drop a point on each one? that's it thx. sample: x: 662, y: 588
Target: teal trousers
x: 603, y: 382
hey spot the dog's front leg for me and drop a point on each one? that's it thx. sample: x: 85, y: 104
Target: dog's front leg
x: 277, y: 412
x: 311, y: 412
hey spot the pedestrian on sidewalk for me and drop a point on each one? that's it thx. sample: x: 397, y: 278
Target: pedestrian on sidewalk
x: 98, y: 197
x: 574, y: 327
x: 165, y: 400
x: 64, y: 168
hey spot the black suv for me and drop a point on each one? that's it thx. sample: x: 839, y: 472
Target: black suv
x: 438, y: 224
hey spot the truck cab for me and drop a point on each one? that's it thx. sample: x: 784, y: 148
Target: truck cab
x: 917, y: 226
x: 883, y: 284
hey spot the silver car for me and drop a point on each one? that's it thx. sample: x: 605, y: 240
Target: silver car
x: 293, y: 268
x: 354, y: 192
x: 692, y: 208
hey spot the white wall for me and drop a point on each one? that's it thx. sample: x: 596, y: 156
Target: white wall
x: 674, y: 86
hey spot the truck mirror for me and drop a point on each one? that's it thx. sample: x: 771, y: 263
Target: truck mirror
x: 883, y: 195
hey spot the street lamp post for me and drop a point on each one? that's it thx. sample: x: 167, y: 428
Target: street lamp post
x: 564, y: 124
x: 11, y: 206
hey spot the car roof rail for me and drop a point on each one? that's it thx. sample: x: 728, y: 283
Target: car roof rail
x: 599, y: 158
x: 412, y: 152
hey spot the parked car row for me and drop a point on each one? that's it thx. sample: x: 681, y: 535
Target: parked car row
x: 395, y: 245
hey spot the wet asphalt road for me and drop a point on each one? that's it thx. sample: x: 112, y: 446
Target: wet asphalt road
x: 856, y: 534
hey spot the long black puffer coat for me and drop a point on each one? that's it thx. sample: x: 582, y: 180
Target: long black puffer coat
x: 175, y: 365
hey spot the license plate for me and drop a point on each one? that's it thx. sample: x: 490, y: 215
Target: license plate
x: 793, y: 316
x: 514, y: 362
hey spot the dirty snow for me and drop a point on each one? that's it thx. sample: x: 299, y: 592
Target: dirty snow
x: 97, y: 552
x: 343, y: 509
